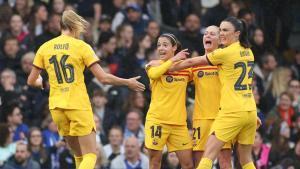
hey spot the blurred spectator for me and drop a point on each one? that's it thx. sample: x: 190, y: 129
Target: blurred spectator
x: 5, y: 14
x: 264, y: 72
x: 110, y: 8
x: 107, y: 44
x: 66, y: 158
x: 294, y: 155
x: 134, y: 126
x: 125, y: 39
x: 14, y: 118
x: 235, y: 7
x: 50, y: 133
x: 58, y: 6
x: 7, y: 147
x: 283, y: 112
x: 22, y: 159
x: 216, y: 14
x: 11, y: 54
x: 133, y: 64
x: 174, y: 12
x: 100, y: 135
x: 132, y: 158
x: 136, y: 102
x: 153, y: 31
x: 9, y: 88
x: 106, y: 115
x: 260, y: 152
x: 191, y: 37
x: 294, y: 90
x: 36, y: 148
x: 259, y: 46
x: 170, y: 161
x: 102, y: 161
x: 89, y: 9
x: 248, y: 16
x: 52, y: 30
x: 280, y: 144
x: 22, y: 8
x: 26, y: 65
x: 114, y: 147
x: 279, y: 83
x: 132, y: 15
x: 38, y: 18
x: 16, y: 29
x: 296, y: 65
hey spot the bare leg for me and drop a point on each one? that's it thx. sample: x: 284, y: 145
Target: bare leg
x: 154, y: 158
x: 185, y: 158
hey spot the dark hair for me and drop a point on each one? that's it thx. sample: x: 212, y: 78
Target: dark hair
x: 243, y: 12
x: 241, y: 26
x: 174, y: 41
x: 104, y: 38
x: 4, y: 133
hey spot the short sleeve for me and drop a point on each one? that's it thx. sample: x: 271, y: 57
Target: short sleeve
x: 216, y: 57
x: 89, y: 56
x: 38, y: 59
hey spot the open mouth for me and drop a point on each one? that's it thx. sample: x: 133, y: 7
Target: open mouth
x: 208, y: 43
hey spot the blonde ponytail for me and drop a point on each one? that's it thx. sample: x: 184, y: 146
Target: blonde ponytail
x: 73, y: 22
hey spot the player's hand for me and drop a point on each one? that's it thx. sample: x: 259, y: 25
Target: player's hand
x: 39, y: 82
x: 258, y: 123
x: 180, y: 55
x: 135, y: 85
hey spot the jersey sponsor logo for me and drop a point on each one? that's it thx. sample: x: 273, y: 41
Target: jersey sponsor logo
x: 200, y: 74
x: 169, y: 79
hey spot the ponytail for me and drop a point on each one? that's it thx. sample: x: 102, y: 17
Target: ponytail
x: 73, y: 22
x: 244, y: 39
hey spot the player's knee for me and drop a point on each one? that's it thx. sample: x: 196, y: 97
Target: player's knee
x: 187, y: 165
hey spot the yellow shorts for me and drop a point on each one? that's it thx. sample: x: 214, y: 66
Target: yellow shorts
x: 176, y: 137
x: 235, y: 126
x: 201, y: 132
x: 73, y: 122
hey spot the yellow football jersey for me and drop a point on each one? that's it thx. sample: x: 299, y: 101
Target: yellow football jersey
x: 168, y: 98
x: 236, y: 74
x: 207, y: 92
x: 65, y: 58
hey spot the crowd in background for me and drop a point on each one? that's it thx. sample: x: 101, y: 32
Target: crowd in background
x: 124, y: 34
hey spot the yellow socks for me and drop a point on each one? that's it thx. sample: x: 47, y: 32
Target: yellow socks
x: 249, y: 165
x: 205, y: 163
x: 88, y: 161
x: 77, y: 161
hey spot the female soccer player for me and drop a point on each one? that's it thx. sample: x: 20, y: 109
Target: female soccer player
x: 64, y: 58
x: 207, y: 101
x: 166, y: 117
x: 236, y: 119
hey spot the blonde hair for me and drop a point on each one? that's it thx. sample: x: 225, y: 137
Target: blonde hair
x: 73, y: 22
x: 280, y: 80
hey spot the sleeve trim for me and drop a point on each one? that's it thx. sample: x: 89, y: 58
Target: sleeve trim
x: 93, y: 63
x: 37, y: 67
x: 209, y: 62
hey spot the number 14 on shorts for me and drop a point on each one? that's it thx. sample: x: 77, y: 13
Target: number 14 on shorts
x: 156, y: 131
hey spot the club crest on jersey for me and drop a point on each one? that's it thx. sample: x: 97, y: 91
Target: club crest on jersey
x: 169, y: 79
x: 154, y: 142
x: 200, y: 74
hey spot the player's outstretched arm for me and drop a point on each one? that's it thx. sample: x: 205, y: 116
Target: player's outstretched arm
x: 35, y: 79
x: 155, y: 69
x: 195, y: 61
x: 107, y: 78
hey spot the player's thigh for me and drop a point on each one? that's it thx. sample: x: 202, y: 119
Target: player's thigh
x: 247, y: 133
x: 201, y: 129
x: 227, y: 126
x: 61, y: 120
x: 156, y: 135
x: 81, y: 122
x: 179, y: 138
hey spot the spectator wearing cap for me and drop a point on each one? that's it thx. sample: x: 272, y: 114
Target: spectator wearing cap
x: 132, y: 15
